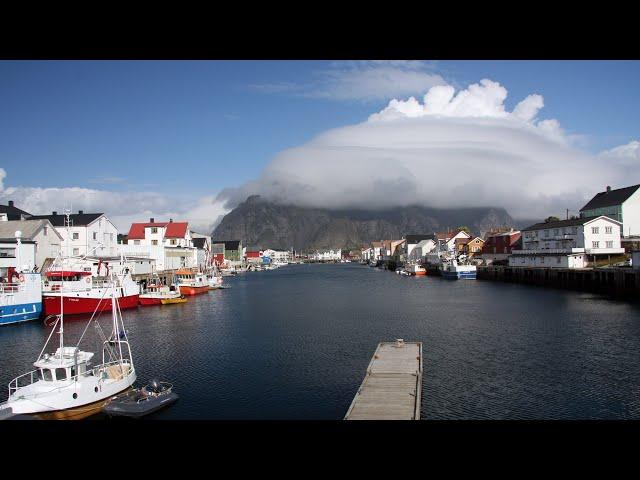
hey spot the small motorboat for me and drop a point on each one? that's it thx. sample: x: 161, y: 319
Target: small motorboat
x: 141, y: 401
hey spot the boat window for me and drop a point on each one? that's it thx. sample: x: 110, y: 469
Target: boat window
x: 39, y: 372
x: 73, y: 371
x: 47, y: 374
x: 61, y: 373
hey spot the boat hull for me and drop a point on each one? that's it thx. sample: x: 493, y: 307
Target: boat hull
x: 169, y: 301
x: 79, y: 305
x: 458, y: 275
x: 187, y: 290
x: 20, y: 313
x: 149, y: 301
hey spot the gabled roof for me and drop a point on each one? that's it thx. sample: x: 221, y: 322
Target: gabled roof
x: 450, y: 234
x: 13, y: 213
x: 76, y: 219
x: 29, y: 229
x: 173, y: 229
x: 411, y: 239
x: 610, y: 198
x: 199, y: 242
x: 566, y: 223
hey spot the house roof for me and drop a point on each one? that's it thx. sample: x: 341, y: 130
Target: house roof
x: 503, y: 234
x: 76, y: 219
x: 610, y: 198
x: 565, y: 223
x: 377, y: 244
x: 229, y: 244
x: 13, y: 213
x: 29, y: 228
x: 199, y: 242
x: 173, y: 229
x: 450, y: 234
x: 411, y: 239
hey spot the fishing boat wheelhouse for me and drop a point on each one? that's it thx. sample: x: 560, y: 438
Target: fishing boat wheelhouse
x: 155, y: 293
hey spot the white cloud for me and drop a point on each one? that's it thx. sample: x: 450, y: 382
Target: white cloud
x: 362, y: 80
x: 451, y: 150
x: 122, y: 208
x: 3, y: 175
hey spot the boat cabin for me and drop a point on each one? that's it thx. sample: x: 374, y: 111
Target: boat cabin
x: 73, y: 280
x: 63, y: 365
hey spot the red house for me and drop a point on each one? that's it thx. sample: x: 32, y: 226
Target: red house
x: 498, y: 246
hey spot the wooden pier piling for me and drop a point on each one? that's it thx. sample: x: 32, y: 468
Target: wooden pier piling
x: 392, y: 386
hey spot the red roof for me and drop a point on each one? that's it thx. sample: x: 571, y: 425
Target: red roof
x: 253, y: 254
x: 174, y: 229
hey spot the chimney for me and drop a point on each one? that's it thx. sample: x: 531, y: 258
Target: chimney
x: 80, y: 212
x: 608, y: 188
x: 54, y: 212
x: 151, y: 220
x: 171, y: 220
x: 11, y: 203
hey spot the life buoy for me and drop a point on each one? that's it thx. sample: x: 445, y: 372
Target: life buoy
x: 21, y: 278
x: 88, y: 280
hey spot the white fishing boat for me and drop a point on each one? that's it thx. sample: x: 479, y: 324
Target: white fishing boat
x: 453, y: 270
x: 20, y: 291
x: 65, y: 385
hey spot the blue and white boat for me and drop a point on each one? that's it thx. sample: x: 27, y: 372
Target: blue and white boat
x: 452, y: 270
x: 20, y: 292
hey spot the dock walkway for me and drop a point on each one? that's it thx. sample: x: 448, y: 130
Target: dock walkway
x: 392, y: 386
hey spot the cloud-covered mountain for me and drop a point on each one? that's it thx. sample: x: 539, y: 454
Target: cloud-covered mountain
x: 264, y: 224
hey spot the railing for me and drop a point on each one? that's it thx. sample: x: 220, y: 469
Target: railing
x: 11, y: 287
x: 96, y: 371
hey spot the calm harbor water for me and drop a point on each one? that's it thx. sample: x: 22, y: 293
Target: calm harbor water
x: 294, y: 343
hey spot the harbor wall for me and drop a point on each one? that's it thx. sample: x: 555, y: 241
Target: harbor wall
x: 617, y: 282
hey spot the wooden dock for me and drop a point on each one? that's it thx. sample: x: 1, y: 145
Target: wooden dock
x: 392, y: 386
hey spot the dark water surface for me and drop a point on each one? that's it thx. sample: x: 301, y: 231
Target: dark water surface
x: 294, y: 343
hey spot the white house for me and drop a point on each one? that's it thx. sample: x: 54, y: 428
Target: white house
x: 622, y: 204
x: 448, y: 239
x: 328, y: 255
x: 169, y: 243
x: 46, y: 240
x: 203, y: 244
x: 11, y: 256
x: 568, y: 243
x: 419, y: 250
x: 277, y: 256
x: 84, y: 233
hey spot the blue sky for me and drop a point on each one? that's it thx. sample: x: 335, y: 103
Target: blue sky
x: 196, y: 127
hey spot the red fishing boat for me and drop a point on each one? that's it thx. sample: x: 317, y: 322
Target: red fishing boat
x: 191, y: 282
x: 82, y: 293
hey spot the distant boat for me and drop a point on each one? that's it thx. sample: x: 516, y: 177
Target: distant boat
x: 416, y: 270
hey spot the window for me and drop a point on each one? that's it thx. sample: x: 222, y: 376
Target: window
x: 574, y: 231
x: 154, y: 229
x: 76, y: 251
x: 154, y: 242
x: 546, y: 233
x: 173, y: 241
x: 609, y: 243
x: 556, y: 231
x: 595, y: 244
x: 608, y: 229
x: 47, y: 374
x: 595, y: 229
x: 75, y: 236
x: 542, y: 260
x: 558, y: 260
x: 95, y: 235
x: 45, y: 231
x: 136, y: 242
x: 61, y: 373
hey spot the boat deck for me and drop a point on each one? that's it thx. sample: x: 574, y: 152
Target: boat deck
x: 392, y: 386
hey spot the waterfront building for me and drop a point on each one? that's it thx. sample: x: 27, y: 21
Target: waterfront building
x: 411, y: 241
x: 328, y: 255
x: 393, y: 249
x: 376, y: 251
x: 253, y: 256
x: 84, y: 233
x: 499, y: 245
x: 46, y: 240
x: 568, y: 243
x: 11, y: 212
x: 168, y: 243
x: 277, y: 256
x: 622, y: 205
x: 217, y: 253
x: 233, y: 250
x: 448, y: 239
x: 420, y: 250
x: 9, y: 255
x: 203, y: 246
x: 468, y: 246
